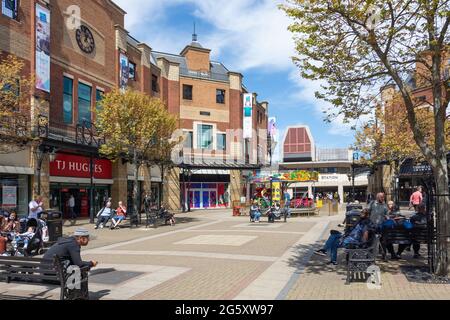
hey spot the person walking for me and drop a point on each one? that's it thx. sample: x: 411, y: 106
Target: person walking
x: 416, y: 198
x: 71, y: 204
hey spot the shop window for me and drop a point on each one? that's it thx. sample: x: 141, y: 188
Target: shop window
x: 10, y: 89
x: 132, y: 71
x: 155, y: 83
x: 220, y: 96
x: 84, y: 104
x: 187, y: 92
x: 222, y: 142
x: 205, y: 137
x: 10, y: 8
x: 68, y: 101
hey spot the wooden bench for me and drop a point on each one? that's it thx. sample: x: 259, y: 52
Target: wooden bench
x: 359, y: 260
x: 401, y: 236
x: 25, y: 271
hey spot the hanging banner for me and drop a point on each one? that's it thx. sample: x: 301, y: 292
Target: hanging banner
x: 42, y: 48
x: 124, y: 71
x: 9, y: 196
x: 273, y: 131
x: 248, y: 116
x: 276, y: 191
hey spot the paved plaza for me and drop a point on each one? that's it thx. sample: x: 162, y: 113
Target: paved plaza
x: 214, y: 256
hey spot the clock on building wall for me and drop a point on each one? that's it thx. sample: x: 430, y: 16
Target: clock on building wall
x: 85, y: 39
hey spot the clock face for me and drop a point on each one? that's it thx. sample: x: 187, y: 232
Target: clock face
x: 85, y: 39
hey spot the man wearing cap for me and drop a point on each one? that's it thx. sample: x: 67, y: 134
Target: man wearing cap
x: 69, y: 249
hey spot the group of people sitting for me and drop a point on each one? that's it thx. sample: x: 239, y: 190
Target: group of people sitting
x: 10, y: 231
x: 373, y: 220
x: 107, y: 213
x: 273, y: 212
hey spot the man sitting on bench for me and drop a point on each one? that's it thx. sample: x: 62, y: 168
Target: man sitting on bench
x: 69, y: 250
x: 357, y: 238
x: 419, y: 220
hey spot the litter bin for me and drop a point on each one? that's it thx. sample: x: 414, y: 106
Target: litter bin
x: 54, y: 222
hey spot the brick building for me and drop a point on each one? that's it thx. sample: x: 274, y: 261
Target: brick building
x: 80, y: 49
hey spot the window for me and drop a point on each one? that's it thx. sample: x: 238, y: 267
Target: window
x: 8, y: 90
x: 132, y: 71
x: 187, y: 92
x: 10, y: 8
x: 220, y: 96
x: 221, y: 142
x: 188, y: 143
x: 68, y: 101
x: 84, y: 104
x: 98, y: 98
x: 154, y: 83
x: 205, y: 137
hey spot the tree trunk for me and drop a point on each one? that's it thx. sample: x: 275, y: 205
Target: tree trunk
x: 442, y: 216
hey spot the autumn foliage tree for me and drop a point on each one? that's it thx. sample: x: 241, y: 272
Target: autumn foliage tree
x: 137, y: 128
x: 15, y: 97
x: 355, y: 47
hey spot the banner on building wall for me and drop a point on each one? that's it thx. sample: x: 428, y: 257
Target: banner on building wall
x: 124, y: 71
x: 9, y: 196
x: 248, y: 116
x: 273, y: 131
x: 42, y: 48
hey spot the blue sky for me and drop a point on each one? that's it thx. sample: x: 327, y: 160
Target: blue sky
x: 248, y: 36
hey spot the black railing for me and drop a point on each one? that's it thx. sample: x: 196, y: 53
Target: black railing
x: 86, y: 134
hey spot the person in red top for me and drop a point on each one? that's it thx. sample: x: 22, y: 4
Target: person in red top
x: 416, y: 199
x: 121, y: 214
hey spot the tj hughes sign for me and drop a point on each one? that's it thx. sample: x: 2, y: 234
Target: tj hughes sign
x: 66, y: 165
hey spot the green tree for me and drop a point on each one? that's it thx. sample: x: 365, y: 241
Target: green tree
x: 135, y: 127
x: 355, y: 47
x: 15, y: 97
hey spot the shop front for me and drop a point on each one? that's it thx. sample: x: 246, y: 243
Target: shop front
x: 15, y: 182
x: 71, y: 175
x: 208, y: 191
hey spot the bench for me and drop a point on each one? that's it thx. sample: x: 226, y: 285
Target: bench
x: 401, y: 236
x: 25, y: 270
x: 359, y: 260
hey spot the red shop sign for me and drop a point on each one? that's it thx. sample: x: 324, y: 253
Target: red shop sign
x: 66, y: 165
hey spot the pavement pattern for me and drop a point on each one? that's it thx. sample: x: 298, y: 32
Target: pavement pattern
x: 210, y: 255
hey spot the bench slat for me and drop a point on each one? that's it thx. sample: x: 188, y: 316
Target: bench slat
x: 20, y: 269
x: 24, y: 259
x: 26, y: 264
x: 23, y: 276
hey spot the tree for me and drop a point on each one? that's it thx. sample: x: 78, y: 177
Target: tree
x: 134, y: 126
x: 357, y: 46
x: 15, y: 97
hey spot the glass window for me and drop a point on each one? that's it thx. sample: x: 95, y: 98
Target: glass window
x: 188, y: 143
x: 187, y: 92
x: 68, y: 101
x: 98, y: 98
x: 9, y: 8
x: 132, y: 71
x: 154, y: 83
x: 205, y: 137
x: 84, y: 104
x: 220, y: 96
x: 222, y: 142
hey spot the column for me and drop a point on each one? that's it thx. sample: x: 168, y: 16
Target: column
x: 341, y: 192
x: 119, y: 189
x: 171, y: 189
x: 236, y: 186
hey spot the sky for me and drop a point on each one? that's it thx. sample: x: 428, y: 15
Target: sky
x: 247, y: 36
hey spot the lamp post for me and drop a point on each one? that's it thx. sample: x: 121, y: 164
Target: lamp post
x: 41, y: 151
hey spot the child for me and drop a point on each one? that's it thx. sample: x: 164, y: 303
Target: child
x: 25, y: 237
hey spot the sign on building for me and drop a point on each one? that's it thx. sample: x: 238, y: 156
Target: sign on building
x: 9, y: 196
x: 248, y: 116
x: 124, y: 71
x: 42, y: 48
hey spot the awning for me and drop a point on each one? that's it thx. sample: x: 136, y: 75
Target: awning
x: 418, y: 170
x: 16, y: 170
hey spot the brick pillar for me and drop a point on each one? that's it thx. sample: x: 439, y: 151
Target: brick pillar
x: 171, y: 189
x: 236, y: 186
x: 147, y: 183
x: 120, y: 177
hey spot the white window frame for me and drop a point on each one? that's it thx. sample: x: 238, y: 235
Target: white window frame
x: 195, y: 135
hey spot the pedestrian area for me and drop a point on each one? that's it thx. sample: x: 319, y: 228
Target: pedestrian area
x: 214, y: 256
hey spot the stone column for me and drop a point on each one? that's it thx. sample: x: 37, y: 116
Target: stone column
x: 171, y: 189
x: 341, y: 193
x: 236, y: 186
